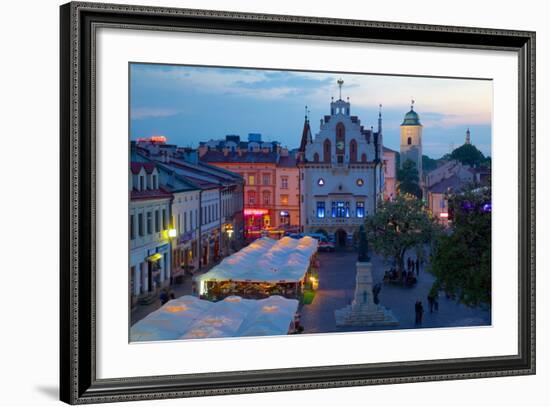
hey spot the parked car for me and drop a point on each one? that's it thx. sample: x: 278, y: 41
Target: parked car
x: 326, y: 245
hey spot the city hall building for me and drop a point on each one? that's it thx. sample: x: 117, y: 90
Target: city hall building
x: 341, y: 173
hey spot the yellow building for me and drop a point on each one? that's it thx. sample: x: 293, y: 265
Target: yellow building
x: 411, y: 140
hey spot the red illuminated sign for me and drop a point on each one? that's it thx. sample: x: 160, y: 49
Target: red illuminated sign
x: 255, y: 212
x: 153, y: 139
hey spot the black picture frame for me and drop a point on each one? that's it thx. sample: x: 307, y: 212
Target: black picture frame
x: 78, y: 382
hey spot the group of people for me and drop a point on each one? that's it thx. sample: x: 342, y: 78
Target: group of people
x: 413, y: 265
x: 433, y: 303
x: 166, y: 296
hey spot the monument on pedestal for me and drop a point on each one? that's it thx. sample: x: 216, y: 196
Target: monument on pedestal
x: 364, y: 310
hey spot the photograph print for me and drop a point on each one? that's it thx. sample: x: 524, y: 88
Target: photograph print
x: 276, y: 202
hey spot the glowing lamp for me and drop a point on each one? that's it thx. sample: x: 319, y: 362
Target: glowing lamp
x: 172, y: 233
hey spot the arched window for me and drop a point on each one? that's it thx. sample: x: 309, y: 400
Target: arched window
x: 326, y: 151
x: 363, y: 158
x: 316, y: 157
x: 409, y: 141
x: 353, y: 151
x: 340, y: 138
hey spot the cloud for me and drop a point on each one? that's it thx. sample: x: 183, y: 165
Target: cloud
x: 141, y: 113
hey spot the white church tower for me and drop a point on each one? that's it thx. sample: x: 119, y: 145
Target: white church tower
x: 341, y: 176
x: 411, y: 140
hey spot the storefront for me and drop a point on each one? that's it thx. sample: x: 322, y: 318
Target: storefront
x: 256, y: 220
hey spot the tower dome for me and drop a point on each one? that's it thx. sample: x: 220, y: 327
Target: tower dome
x: 411, y: 119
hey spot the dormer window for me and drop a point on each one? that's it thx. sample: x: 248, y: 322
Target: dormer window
x: 155, y: 182
x: 141, y: 183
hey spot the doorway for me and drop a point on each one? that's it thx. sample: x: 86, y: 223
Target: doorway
x: 341, y: 237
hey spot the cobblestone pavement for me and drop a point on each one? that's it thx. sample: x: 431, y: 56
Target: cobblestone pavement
x: 336, y: 290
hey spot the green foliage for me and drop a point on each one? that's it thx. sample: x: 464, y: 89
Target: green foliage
x: 407, y: 177
x: 461, y: 260
x: 398, y: 226
x: 468, y: 154
x: 428, y: 164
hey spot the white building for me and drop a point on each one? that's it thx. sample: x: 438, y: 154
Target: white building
x: 149, y: 222
x: 341, y: 176
x: 185, y: 208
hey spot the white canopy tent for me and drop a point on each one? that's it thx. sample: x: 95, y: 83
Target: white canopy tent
x: 191, y: 318
x: 266, y: 260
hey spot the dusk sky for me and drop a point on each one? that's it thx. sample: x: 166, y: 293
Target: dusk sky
x: 191, y: 104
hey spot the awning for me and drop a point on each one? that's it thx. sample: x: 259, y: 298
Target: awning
x: 155, y: 257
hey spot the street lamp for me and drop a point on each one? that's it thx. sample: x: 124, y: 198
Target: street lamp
x: 172, y: 232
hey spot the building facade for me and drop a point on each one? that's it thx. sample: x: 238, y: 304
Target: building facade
x: 149, y: 225
x: 207, y: 218
x: 341, y: 174
x: 271, y: 181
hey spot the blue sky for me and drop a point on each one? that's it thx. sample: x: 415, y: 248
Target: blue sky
x: 189, y: 104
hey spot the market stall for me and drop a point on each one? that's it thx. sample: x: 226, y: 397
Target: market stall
x: 188, y: 317
x: 265, y: 267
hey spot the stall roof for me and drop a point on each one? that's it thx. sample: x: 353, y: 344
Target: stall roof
x: 188, y: 317
x: 266, y: 260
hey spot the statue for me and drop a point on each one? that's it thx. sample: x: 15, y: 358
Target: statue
x: 363, y: 255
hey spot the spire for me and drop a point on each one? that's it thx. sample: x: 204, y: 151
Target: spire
x: 468, y: 141
x: 380, y: 119
x: 412, y: 103
x: 306, y: 134
x: 340, y: 82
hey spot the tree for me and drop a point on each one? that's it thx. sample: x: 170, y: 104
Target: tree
x: 461, y: 260
x: 428, y: 164
x: 468, y: 154
x: 398, y: 226
x: 407, y: 177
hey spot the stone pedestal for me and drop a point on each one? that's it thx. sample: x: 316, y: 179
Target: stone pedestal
x: 363, y: 311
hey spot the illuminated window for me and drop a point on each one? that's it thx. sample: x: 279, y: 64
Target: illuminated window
x: 320, y: 209
x: 360, y: 182
x: 321, y: 182
x: 340, y: 209
x: 360, y: 209
x: 284, y: 199
x: 251, y: 180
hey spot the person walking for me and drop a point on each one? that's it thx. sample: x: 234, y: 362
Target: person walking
x: 420, y: 312
x: 431, y: 302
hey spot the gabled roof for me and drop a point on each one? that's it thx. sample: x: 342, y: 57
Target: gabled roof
x: 160, y: 193
x: 454, y: 183
x: 136, y: 167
